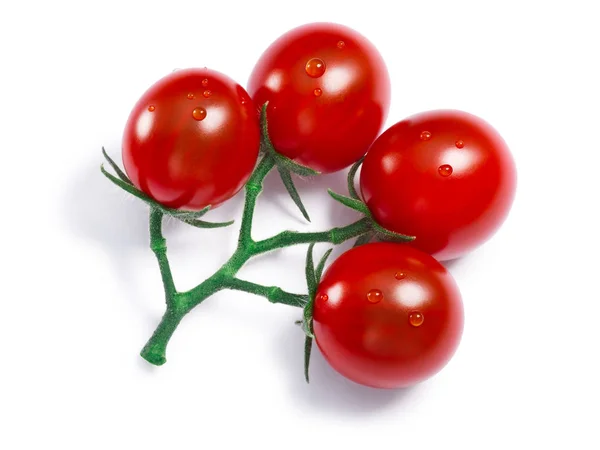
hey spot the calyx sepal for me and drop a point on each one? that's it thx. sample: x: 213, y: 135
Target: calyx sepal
x: 188, y: 217
x: 354, y: 202
x: 313, y: 278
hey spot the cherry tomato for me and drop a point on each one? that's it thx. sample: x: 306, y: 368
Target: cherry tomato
x: 387, y: 315
x: 446, y: 177
x: 328, y: 91
x: 192, y: 139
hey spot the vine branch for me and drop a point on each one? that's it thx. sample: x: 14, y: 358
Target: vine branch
x: 180, y: 303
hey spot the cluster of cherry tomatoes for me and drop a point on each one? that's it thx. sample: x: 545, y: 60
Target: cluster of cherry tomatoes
x: 385, y: 314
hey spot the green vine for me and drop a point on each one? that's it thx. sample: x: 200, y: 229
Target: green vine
x: 179, y: 303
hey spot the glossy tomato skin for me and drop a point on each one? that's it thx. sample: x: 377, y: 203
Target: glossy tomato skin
x: 328, y: 91
x: 445, y: 176
x: 192, y: 139
x: 387, y: 315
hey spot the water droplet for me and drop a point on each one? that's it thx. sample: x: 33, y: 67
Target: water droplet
x: 416, y: 318
x: 317, y: 92
x: 425, y: 135
x: 205, y: 82
x: 445, y: 170
x: 243, y: 101
x: 207, y: 93
x: 399, y: 275
x: 151, y: 108
x: 459, y: 144
x: 199, y: 113
x: 341, y: 44
x: 315, y: 67
x: 324, y: 297
x: 190, y: 96
x: 374, y: 296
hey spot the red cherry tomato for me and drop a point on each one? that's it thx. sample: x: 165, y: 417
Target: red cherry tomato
x: 387, y: 315
x: 328, y: 91
x: 446, y: 177
x: 192, y: 139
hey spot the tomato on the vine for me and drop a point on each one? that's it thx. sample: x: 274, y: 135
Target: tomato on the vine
x: 328, y: 91
x: 192, y: 139
x: 446, y: 177
x: 387, y: 315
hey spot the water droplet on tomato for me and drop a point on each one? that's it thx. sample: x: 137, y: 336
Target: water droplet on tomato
x: 459, y: 144
x: 315, y: 67
x: 445, y: 170
x: 341, y: 44
x: 416, y: 318
x: 199, y: 113
x: 374, y: 296
x: 317, y: 92
x: 207, y: 93
x: 151, y: 108
x: 205, y: 81
x: 399, y: 275
x: 425, y: 135
x: 190, y: 96
x: 324, y: 297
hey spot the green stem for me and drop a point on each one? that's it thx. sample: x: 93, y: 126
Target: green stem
x: 254, y: 187
x: 158, y: 244
x: 154, y: 351
x: 335, y: 236
x: 273, y: 293
x: 179, y: 304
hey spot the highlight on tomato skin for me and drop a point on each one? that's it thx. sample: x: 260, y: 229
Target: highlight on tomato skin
x: 387, y: 315
x: 328, y: 93
x: 444, y: 176
x: 192, y: 139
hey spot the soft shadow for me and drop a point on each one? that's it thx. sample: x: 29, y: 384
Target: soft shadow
x: 328, y: 391
x: 98, y: 212
x: 457, y: 264
x: 145, y: 366
x: 452, y: 263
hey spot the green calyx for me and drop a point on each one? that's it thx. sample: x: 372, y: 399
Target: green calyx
x: 189, y: 217
x: 285, y: 166
x: 313, y: 278
x: 354, y: 202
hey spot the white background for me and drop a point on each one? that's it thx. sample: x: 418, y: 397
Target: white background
x: 81, y: 292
